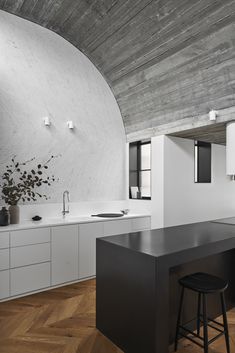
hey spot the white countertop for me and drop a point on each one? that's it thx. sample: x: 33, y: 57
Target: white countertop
x: 56, y: 221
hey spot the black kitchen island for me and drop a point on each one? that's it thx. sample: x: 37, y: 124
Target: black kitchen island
x: 137, y: 281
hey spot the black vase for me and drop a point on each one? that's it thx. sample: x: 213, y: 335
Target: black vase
x: 4, y: 217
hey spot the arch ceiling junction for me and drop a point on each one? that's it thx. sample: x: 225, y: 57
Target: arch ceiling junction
x: 168, y: 62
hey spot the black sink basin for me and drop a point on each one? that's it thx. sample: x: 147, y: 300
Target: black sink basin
x: 108, y: 215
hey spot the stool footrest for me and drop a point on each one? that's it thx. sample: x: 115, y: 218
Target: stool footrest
x: 191, y: 332
x: 215, y: 338
x: 214, y: 322
x: 184, y: 328
x: 191, y: 339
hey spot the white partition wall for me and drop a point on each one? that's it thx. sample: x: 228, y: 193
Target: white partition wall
x: 176, y: 199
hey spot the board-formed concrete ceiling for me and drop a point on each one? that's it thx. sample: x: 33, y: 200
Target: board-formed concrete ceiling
x: 168, y: 62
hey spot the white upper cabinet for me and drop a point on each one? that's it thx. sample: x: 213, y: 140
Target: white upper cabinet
x: 87, y: 234
x: 64, y: 250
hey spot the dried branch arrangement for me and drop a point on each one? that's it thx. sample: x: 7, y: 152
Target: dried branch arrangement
x: 21, y: 184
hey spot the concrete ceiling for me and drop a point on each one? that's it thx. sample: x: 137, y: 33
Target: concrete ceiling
x: 168, y: 62
x: 215, y: 133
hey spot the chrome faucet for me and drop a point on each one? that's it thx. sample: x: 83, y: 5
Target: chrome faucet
x: 65, y: 193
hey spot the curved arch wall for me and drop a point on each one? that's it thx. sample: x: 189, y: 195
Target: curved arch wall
x: 41, y: 75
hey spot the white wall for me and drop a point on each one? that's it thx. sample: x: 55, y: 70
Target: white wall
x: 186, y: 201
x: 176, y: 199
x: 41, y: 74
x: 157, y: 182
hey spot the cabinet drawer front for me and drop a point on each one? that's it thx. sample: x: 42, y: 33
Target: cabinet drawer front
x: 117, y: 227
x: 4, y: 284
x: 87, y: 229
x: 143, y: 223
x: 64, y: 250
x: 87, y: 248
x: 30, y: 254
x: 4, y: 240
x: 30, y: 236
x: 30, y: 278
x: 4, y: 259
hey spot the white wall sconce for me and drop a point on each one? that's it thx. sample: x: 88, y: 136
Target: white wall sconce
x: 47, y: 121
x: 213, y: 114
x: 70, y: 124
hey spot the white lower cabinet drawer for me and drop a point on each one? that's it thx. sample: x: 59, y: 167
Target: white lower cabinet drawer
x: 142, y: 223
x: 4, y: 259
x: 4, y: 240
x: 29, y: 236
x: 30, y: 278
x: 29, y: 255
x: 117, y: 227
x: 4, y: 284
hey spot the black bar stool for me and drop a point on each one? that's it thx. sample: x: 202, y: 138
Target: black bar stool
x: 203, y: 284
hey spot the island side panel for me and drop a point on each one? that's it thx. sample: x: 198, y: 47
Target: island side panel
x: 126, y: 297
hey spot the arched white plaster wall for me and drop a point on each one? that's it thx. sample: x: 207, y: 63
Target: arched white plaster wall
x: 41, y: 74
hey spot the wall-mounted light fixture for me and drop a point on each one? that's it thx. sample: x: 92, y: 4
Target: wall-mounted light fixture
x: 213, y: 114
x: 70, y: 124
x: 47, y: 121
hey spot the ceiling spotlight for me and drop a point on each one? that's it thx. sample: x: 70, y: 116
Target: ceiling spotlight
x: 47, y: 121
x: 213, y: 114
x: 70, y: 124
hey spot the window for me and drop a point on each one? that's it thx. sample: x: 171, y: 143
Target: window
x: 140, y: 170
x: 202, y: 160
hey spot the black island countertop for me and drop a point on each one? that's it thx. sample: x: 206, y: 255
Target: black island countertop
x: 171, y: 240
x: 137, y: 280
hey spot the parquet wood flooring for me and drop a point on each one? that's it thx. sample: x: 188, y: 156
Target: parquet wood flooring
x: 62, y: 320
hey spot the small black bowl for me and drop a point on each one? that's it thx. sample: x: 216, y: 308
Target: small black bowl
x: 36, y: 218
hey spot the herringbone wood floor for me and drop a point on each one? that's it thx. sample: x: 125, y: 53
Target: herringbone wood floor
x: 63, y: 321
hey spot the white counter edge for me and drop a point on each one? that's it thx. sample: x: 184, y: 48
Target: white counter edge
x: 54, y: 222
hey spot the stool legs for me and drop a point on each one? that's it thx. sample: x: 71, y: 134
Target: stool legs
x: 202, y: 300
x: 179, y: 318
x: 226, y: 334
x: 198, y: 314
x: 205, y: 327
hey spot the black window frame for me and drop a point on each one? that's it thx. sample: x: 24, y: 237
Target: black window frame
x: 199, y: 146
x: 138, y: 171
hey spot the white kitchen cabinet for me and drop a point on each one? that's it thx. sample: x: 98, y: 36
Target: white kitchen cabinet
x: 4, y: 259
x: 4, y: 284
x: 30, y: 254
x: 141, y: 223
x: 37, y: 258
x: 29, y: 278
x: 117, y: 227
x: 64, y: 250
x: 4, y: 240
x: 30, y: 236
x: 87, y: 234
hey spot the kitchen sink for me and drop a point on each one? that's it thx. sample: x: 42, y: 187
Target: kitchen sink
x: 108, y: 215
